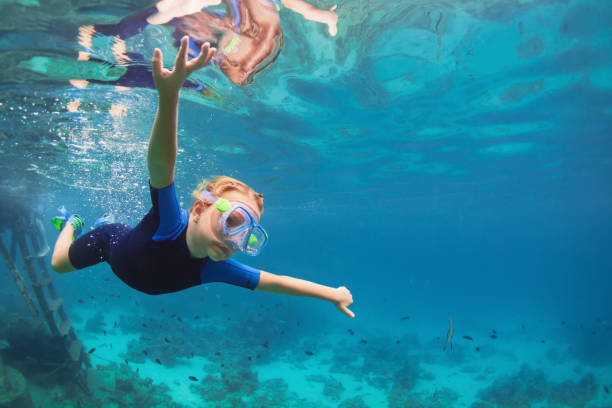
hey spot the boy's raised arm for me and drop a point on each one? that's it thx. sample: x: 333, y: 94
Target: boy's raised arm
x: 161, y: 155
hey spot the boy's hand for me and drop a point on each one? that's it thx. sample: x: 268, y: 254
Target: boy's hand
x: 332, y: 21
x: 343, y: 299
x: 170, y: 82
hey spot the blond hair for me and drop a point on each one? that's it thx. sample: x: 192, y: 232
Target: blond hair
x: 223, y: 184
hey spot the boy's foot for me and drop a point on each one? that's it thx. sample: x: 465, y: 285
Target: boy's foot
x: 105, y: 219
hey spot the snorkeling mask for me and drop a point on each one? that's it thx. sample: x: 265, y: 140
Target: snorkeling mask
x: 238, y: 226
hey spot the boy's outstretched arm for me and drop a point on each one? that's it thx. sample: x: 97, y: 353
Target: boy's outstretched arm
x: 161, y: 156
x: 286, y: 285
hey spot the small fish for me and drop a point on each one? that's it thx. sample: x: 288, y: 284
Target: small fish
x: 364, y: 342
x: 563, y: 323
x: 91, y: 297
x: 397, y: 342
x: 351, y: 332
x: 449, y: 334
x: 81, y: 301
x: 522, y: 326
x: 196, y: 317
x: 258, y: 356
x: 106, y: 279
x: 493, y: 331
x: 137, y: 369
x: 250, y: 358
x: 606, y: 389
x: 111, y: 345
x: 192, y: 354
x: 405, y: 318
x: 161, y: 310
x: 179, y: 319
x: 217, y: 353
x: 115, y: 325
x: 468, y: 338
x: 126, y: 362
x: 92, y: 350
x: 166, y: 339
x: 157, y: 361
x: 144, y: 325
x: 477, y: 348
x: 222, y: 365
x: 310, y: 353
x: 542, y: 341
x: 145, y: 353
x: 225, y: 305
x: 265, y: 344
x: 493, y: 336
x: 173, y: 316
x: 192, y: 378
x: 105, y: 332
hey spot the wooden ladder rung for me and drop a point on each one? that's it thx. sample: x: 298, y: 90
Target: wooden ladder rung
x: 65, y: 327
x: 74, y: 350
x: 41, y: 254
x: 55, y: 304
x: 43, y: 282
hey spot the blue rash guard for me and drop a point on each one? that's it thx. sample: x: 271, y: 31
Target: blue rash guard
x: 153, y: 257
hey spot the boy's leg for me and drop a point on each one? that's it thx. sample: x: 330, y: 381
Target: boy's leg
x: 60, y: 262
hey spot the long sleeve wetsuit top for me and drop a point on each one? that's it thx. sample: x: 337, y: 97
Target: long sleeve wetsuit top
x: 153, y: 256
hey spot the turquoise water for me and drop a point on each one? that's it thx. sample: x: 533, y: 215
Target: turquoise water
x: 436, y: 158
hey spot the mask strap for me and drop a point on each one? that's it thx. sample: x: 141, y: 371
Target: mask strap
x: 222, y: 204
x: 207, y: 195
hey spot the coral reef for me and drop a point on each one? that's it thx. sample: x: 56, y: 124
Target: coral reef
x: 332, y: 388
x: 41, y: 357
x: 574, y: 394
x: 243, y: 390
x: 354, y: 402
x: 442, y: 398
x: 528, y: 387
x: 522, y: 389
x: 109, y: 386
x: 118, y: 385
x: 13, y: 388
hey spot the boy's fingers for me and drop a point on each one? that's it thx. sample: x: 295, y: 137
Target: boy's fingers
x: 157, y: 62
x: 205, y: 54
x: 348, y: 312
x: 333, y: 7
x: 181, y: 57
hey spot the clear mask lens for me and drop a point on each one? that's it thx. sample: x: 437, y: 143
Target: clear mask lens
x: 237, y: 220
x: 242, y: 232
x: 257, y: 239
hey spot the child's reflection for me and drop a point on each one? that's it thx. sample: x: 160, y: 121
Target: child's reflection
x: 248, y: 37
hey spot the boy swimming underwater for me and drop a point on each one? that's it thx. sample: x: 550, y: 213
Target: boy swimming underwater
x: 170, y: 249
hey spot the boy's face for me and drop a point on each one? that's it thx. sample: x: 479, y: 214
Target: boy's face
x: 209, y: 232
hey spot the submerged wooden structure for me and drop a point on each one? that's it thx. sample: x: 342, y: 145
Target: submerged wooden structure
x: 23, y: 245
